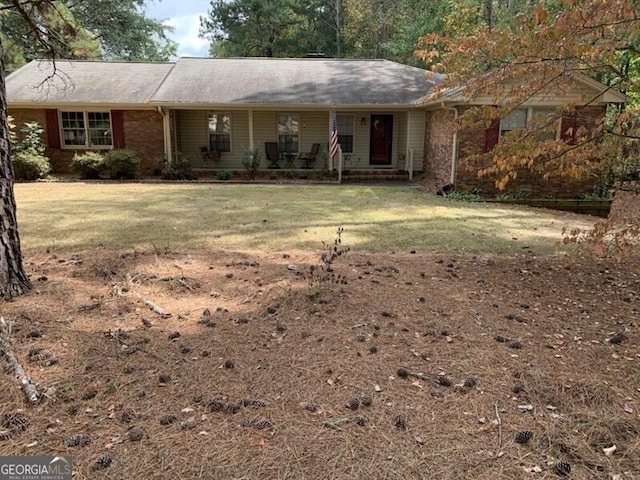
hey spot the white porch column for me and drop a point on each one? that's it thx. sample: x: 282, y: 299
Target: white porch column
x: 330, y: 161
x: 166, y: 132
x: 251, y: 142
x: 408, y: 150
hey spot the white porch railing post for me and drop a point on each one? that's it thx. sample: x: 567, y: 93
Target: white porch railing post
x: 339, y: 164
x: 410, y: 160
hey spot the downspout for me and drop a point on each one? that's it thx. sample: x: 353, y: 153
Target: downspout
x: 166, y: 133
x: 454, y: 148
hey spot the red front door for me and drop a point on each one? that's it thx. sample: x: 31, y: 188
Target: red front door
x: 381, y: 139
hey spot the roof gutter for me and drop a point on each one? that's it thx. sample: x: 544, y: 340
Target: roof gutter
x: 454, y: 147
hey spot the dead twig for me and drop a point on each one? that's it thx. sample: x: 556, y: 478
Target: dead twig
x: 499, y: 420
x: 155, y: 308
x: 335, y: 424
x: 28, y: 387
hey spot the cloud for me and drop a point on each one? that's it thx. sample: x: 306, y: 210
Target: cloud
x: 185, y: 33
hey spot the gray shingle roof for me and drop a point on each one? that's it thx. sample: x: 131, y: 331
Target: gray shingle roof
x: 86, y: 82
x: 276, y: 81
x: 222, y: 81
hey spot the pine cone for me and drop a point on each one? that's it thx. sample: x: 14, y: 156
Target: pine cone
x: 167, y: 419
x: 400, y: 422
x: 102, y: 462
x: 515, y: 345
x: 77, y: 441
x: 366, y: 401
x: 353, y: 404
x: 444, y: 381
x: 470, y: 382
x: 562, y: 468
x: 524, y: 436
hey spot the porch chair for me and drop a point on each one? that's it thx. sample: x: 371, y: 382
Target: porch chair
x: 273, y: 154
x: 310, y: 157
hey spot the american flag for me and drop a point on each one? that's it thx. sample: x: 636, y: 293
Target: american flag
x: 333, y: 143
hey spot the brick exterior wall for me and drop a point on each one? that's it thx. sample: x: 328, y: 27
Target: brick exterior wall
x: 143, y: 133
x: 472, y: 141
x: 439, y: 129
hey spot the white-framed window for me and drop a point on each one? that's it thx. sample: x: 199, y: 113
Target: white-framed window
x: 289, y: 132
x: 86, y: 129
x: 219, y: 125
x: 535, y: 118
x: 345, y: 132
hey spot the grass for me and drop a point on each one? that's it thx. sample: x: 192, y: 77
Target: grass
x: 79, y: 216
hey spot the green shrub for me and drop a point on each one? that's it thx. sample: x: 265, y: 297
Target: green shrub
x: 122, y: 164
x: 224, y: 175
x: 178, y: 169
x: 88, y: 165
x: 29, y: 162
x: 29, y: 166
x: 31, y: 139
x: 512, y: 196
x: 251, y: 162
x: 472, y: 196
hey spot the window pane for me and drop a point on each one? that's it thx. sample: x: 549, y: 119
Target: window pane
x: 73, y: 132
x: 546, y: 122
x: 219, y: 132
x: 72, y: 120
x: 346, y: 143
x: 345, y: 124
x: 74, y: 137
x: 345, y: 132
x: 219, y: 123
x: 288, y: 133
x: 220, y: 142
x: 516, y: 120
x: 100, y: 137
x: 288, y: 124
x: 99, y: 120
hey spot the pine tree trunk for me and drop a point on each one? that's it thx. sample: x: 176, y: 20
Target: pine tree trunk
x: 13, y: 280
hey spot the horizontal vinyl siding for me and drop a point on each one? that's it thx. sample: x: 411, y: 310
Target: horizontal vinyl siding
x: 193, y: 134
x: 359, y: 159
x: 416, y: 137
x: 573, y: 92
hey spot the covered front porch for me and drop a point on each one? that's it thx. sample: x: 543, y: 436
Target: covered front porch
x: 219, y: 139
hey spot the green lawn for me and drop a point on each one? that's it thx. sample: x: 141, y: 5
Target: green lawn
x: 184, y: 217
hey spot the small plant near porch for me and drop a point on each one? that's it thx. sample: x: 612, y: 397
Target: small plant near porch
x: 251, y: 162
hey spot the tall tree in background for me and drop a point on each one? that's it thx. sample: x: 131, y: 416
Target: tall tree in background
x: 84, y: 29
x: 48, y: 29
x: 272, y: 28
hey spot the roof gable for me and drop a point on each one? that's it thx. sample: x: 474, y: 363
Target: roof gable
x: 578, y: 88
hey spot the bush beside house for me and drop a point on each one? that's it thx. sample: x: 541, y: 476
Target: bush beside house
x: 29, y: 161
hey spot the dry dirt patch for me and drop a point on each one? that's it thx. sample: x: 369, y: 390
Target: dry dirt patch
x: 408, y: 366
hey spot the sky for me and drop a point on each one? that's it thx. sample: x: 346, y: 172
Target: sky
x: 184, y: 17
